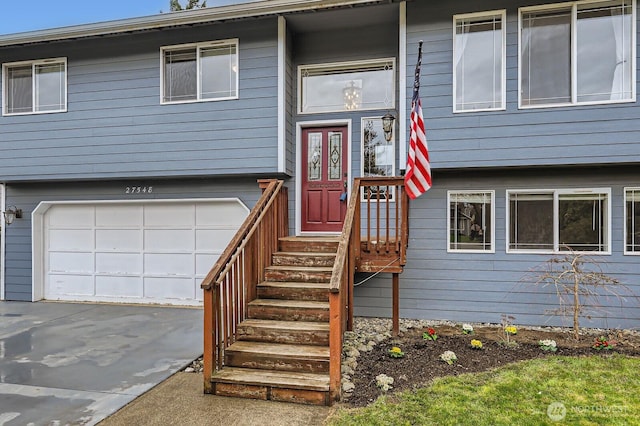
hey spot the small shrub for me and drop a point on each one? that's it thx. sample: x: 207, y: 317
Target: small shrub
x: 601, y: 343
x: 396, y: 352
x: 449, y: 357
x: 430, y: 334
x: 476, y: 344
x: 548, y: 345
x: 467, y: 329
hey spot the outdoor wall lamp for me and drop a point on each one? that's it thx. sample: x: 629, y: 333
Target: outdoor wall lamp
x: 387, y: 125
x: 12, y: 213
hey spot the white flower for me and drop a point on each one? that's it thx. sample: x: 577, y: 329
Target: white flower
x: 384, y: 382
x: 548, y: 345
x: 449, y: 357
x: 467, y: 328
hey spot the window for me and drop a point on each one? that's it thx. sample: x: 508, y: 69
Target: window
x: 471, y: 221
x: 35, y: 86
x: 347, y: 86
x: 581, y: 52
x: 479, y: 61
x: 200, y: 72
x: 556, y: 220
x: 632, y: 220
x: 378, y: 156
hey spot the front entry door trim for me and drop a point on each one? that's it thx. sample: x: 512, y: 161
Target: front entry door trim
x: 300, y: 161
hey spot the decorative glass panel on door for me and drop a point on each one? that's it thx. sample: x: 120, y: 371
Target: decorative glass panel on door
x: 335, y: 156
x: 314, y: 160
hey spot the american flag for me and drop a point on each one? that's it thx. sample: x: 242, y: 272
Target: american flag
x: 417, y: 180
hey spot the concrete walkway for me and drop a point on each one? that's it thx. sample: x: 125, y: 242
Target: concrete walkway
x: 63, y: 363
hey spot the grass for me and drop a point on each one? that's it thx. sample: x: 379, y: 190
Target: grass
x: 594, y: 390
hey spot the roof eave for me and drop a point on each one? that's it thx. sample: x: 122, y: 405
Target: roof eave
x: 189, y: 17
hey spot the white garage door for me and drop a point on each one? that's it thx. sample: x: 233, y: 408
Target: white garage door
x: 153, y: 252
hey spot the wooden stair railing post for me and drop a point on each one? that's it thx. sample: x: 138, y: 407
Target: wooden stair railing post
x: 208, y: 356
x: 384, y: 249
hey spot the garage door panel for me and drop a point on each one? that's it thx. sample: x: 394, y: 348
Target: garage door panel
x: 220, y: 215
x: 119, y: 263
x: 71, y: 262
x: 204, y: 263
x: 142, y: 251
x: 119, y: 239
x: 119, y: 286
x: 75, y: 285
x: 71, y: 216
x: 119, y: 216
x: 71, y: 239
x: 171, y: 264
x: 169, y: 288
x: 169, y: 215
x: 213, y: 239
x: 169, y: 239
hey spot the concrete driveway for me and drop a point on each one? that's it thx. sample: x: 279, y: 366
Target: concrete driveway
x: 67, y: 363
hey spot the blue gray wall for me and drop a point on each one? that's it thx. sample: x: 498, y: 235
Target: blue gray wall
x: 479, y: 287
x: 544, y: 136
x: 115, y: 126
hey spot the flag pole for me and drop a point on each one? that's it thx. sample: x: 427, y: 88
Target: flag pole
x: 417, y: 179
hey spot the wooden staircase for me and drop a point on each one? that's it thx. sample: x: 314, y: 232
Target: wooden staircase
x: 281, y: 352
x: 276, y: 307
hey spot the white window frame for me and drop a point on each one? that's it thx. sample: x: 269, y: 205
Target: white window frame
x: 33, y: 63
x: 626, y: 230
x: 392, y: 144
x: 556, y: 231
x: 503, y: 69
x: 574, y: 43
x: 347, y: 65
x: 492, y: 232
x: 198, y: 47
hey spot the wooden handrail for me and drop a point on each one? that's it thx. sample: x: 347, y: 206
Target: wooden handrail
x: 246, y: 229
x: 232, y: 282
x: 349, y: 256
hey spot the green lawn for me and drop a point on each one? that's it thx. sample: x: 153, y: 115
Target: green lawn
x: 587, y: 390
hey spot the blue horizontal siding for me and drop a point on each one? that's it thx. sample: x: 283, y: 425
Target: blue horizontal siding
x: 116, y: 127
x: 589, y: 134
x: 480, y: 287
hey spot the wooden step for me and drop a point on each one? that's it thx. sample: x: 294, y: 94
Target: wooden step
x: 278, y: 356
x: 306, y: 388
x: 288, y: 310
x: 298, y: 273
x: 293, y: 290
x: 290, y: 332
x: 309, y: 244
x: 303, y: 259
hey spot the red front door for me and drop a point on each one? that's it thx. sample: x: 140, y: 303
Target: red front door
x: 324, y: 178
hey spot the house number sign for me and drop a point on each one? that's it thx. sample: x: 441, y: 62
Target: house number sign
x: 138, y: 189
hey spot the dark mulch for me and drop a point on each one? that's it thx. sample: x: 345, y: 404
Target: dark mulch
x: 421, y: 363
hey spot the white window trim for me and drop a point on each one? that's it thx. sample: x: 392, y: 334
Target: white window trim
x: 503, y: 70
x: 347, y: 65
x: 392, y: 143
x: 574, y: 102
x: 33, y: 63
x: 556, y: 193
x: 626, y: 231
x: 197, y: 47
x: 492, y: 249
